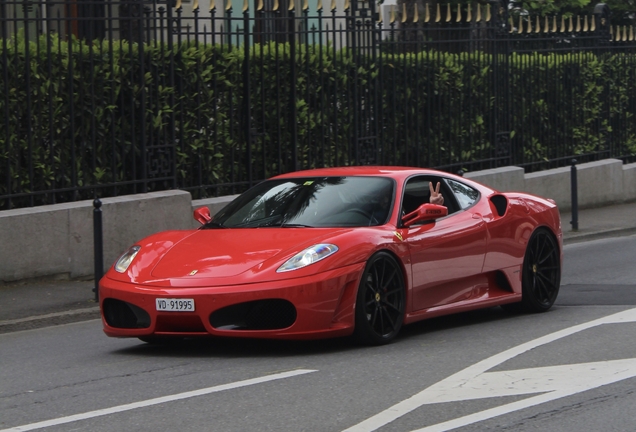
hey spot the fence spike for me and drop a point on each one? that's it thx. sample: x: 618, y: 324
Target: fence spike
x: 570, y: 25
x: 319, y: 6
x: 625, y: 33
x: 611, y: 33
x: 438, y: 17
x: 586, y: 27
x: 537, y: 27
x: 478, y: 19
x: 416, y: 15
x: 292, y: 5
x: 404, y: 14
x: 333, y: 5
x: 427, y: 16
x: 448, y: 12
x: 529, y: 29
x: 554, y: 24
x: 379, y: 15
x: 546, y: 25
x: 469, y: 13
x: 276, y: 6
x: 459, y: 13
x: 178, y: 5
x: 488, y: 15
x: 305, y: 5
x: 520, y: 26
x: 260, y: 5
x: 195, y: 5
x: 392, y: 14
x: 512, y: 25
x: 562, y: 24
x: 631, y: 33
x: 578, y: 23
x: 228, y: 5
x: 212, y: 6
x: 246, y: 6
x: 593, y: 26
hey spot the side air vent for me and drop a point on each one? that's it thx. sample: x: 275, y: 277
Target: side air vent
x: 501, y: 204
x: 270, y: 314
x: 120, y: 314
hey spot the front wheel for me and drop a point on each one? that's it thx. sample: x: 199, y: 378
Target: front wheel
x: 541, y: 274
x: 380, y: 302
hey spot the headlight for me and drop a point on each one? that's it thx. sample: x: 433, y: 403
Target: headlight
x: 124, y: 261
x: 309, y: 256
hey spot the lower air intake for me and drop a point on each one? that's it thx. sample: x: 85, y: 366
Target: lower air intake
x: 271, y: 314
x: 119, y: 314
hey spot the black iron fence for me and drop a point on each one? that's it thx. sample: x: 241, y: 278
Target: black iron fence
x: 109, y: 97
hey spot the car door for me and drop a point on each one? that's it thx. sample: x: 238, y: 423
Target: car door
x: 447, y: 255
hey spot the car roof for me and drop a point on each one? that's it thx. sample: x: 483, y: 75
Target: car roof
x: 388, y: 171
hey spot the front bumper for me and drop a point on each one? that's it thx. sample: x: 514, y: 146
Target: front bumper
x: 316, y: 306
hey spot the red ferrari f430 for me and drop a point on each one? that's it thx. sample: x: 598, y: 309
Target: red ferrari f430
x: 334, y: 252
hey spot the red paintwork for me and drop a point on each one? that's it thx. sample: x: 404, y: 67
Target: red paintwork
x: 449, y: 265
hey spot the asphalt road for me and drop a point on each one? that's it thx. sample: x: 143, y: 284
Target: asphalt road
x: 571, y: 369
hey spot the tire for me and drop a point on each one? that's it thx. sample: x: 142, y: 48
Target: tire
x: 541, y: 274
x: 380, y: 302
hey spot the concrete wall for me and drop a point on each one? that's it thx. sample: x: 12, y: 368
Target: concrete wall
x: 58, y: 239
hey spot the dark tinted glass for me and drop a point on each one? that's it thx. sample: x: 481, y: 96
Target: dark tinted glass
x: 311, y: 202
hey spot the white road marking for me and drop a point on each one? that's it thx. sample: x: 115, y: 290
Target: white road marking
x: 156, y: 401
x: 474, y: 383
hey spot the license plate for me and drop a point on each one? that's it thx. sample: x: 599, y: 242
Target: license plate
x: 175, y: 305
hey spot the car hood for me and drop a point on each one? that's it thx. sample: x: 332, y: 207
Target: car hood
x: 221, y: 253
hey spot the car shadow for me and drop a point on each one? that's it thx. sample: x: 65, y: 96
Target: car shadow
x: 253, y: 348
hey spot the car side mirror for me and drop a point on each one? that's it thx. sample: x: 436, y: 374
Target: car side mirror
x: 425, y: 212
x: 202, y: 215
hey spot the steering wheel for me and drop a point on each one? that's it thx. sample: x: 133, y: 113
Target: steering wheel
x: 361, y: 212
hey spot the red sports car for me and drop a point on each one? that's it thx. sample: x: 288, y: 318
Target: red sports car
x: 338, y: 251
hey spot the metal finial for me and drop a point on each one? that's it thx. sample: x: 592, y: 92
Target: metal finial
x: 562, y: 24
x: 212, y: 6
x: 319, y: 7
x: 586, y: 26
x: 195, y: 5
x: 488, y: 14
x: 305, y: 5
x: 333, y: 5
x: 392, y: 14
x: 292, y: 5
x: 276, y: 6
x: 459, y: 14
x: 246, y: 6
x: 427, y: 16
x: 578, y: 23
x: 593, y: 26
x: 448, y: 12
x: 260, y: 6
x: 438, y: 17
x: 416, y: 15
x: 478, y: 19
x: 403, y: 13
x: 178, y: 5
x: 469, y: 13
x: 570, y: 25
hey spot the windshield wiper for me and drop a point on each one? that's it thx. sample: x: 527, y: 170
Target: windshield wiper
x: 212, y: 224
x: 291, y: 225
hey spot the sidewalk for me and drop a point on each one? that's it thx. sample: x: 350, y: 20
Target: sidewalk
x: 33, y: 304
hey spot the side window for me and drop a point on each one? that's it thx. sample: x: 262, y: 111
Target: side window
x: 417, y: 192
x: 466, y: 196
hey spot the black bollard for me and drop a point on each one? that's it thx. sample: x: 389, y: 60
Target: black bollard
x: 98, y: 243
x: 575, y: 197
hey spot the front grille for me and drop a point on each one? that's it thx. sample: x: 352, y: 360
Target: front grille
x: 270, y: 314
x: 120, y: 314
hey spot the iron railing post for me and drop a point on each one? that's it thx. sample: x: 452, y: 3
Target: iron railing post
x: 98, y: 245
x: 575, y: 197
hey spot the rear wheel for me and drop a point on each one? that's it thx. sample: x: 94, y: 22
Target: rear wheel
x: 380, y: 302
x: 541, y: 275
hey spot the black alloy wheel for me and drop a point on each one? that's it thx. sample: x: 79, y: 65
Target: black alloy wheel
x: 380, y: 301
x: 541, y: 275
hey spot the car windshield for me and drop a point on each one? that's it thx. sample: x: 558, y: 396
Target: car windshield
x: 310, y: 202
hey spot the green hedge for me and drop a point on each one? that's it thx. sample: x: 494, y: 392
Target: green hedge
x: 105, y: 116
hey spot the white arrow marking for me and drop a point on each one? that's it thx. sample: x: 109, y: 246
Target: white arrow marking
x: 156, y: 401
x: 474, y: 383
